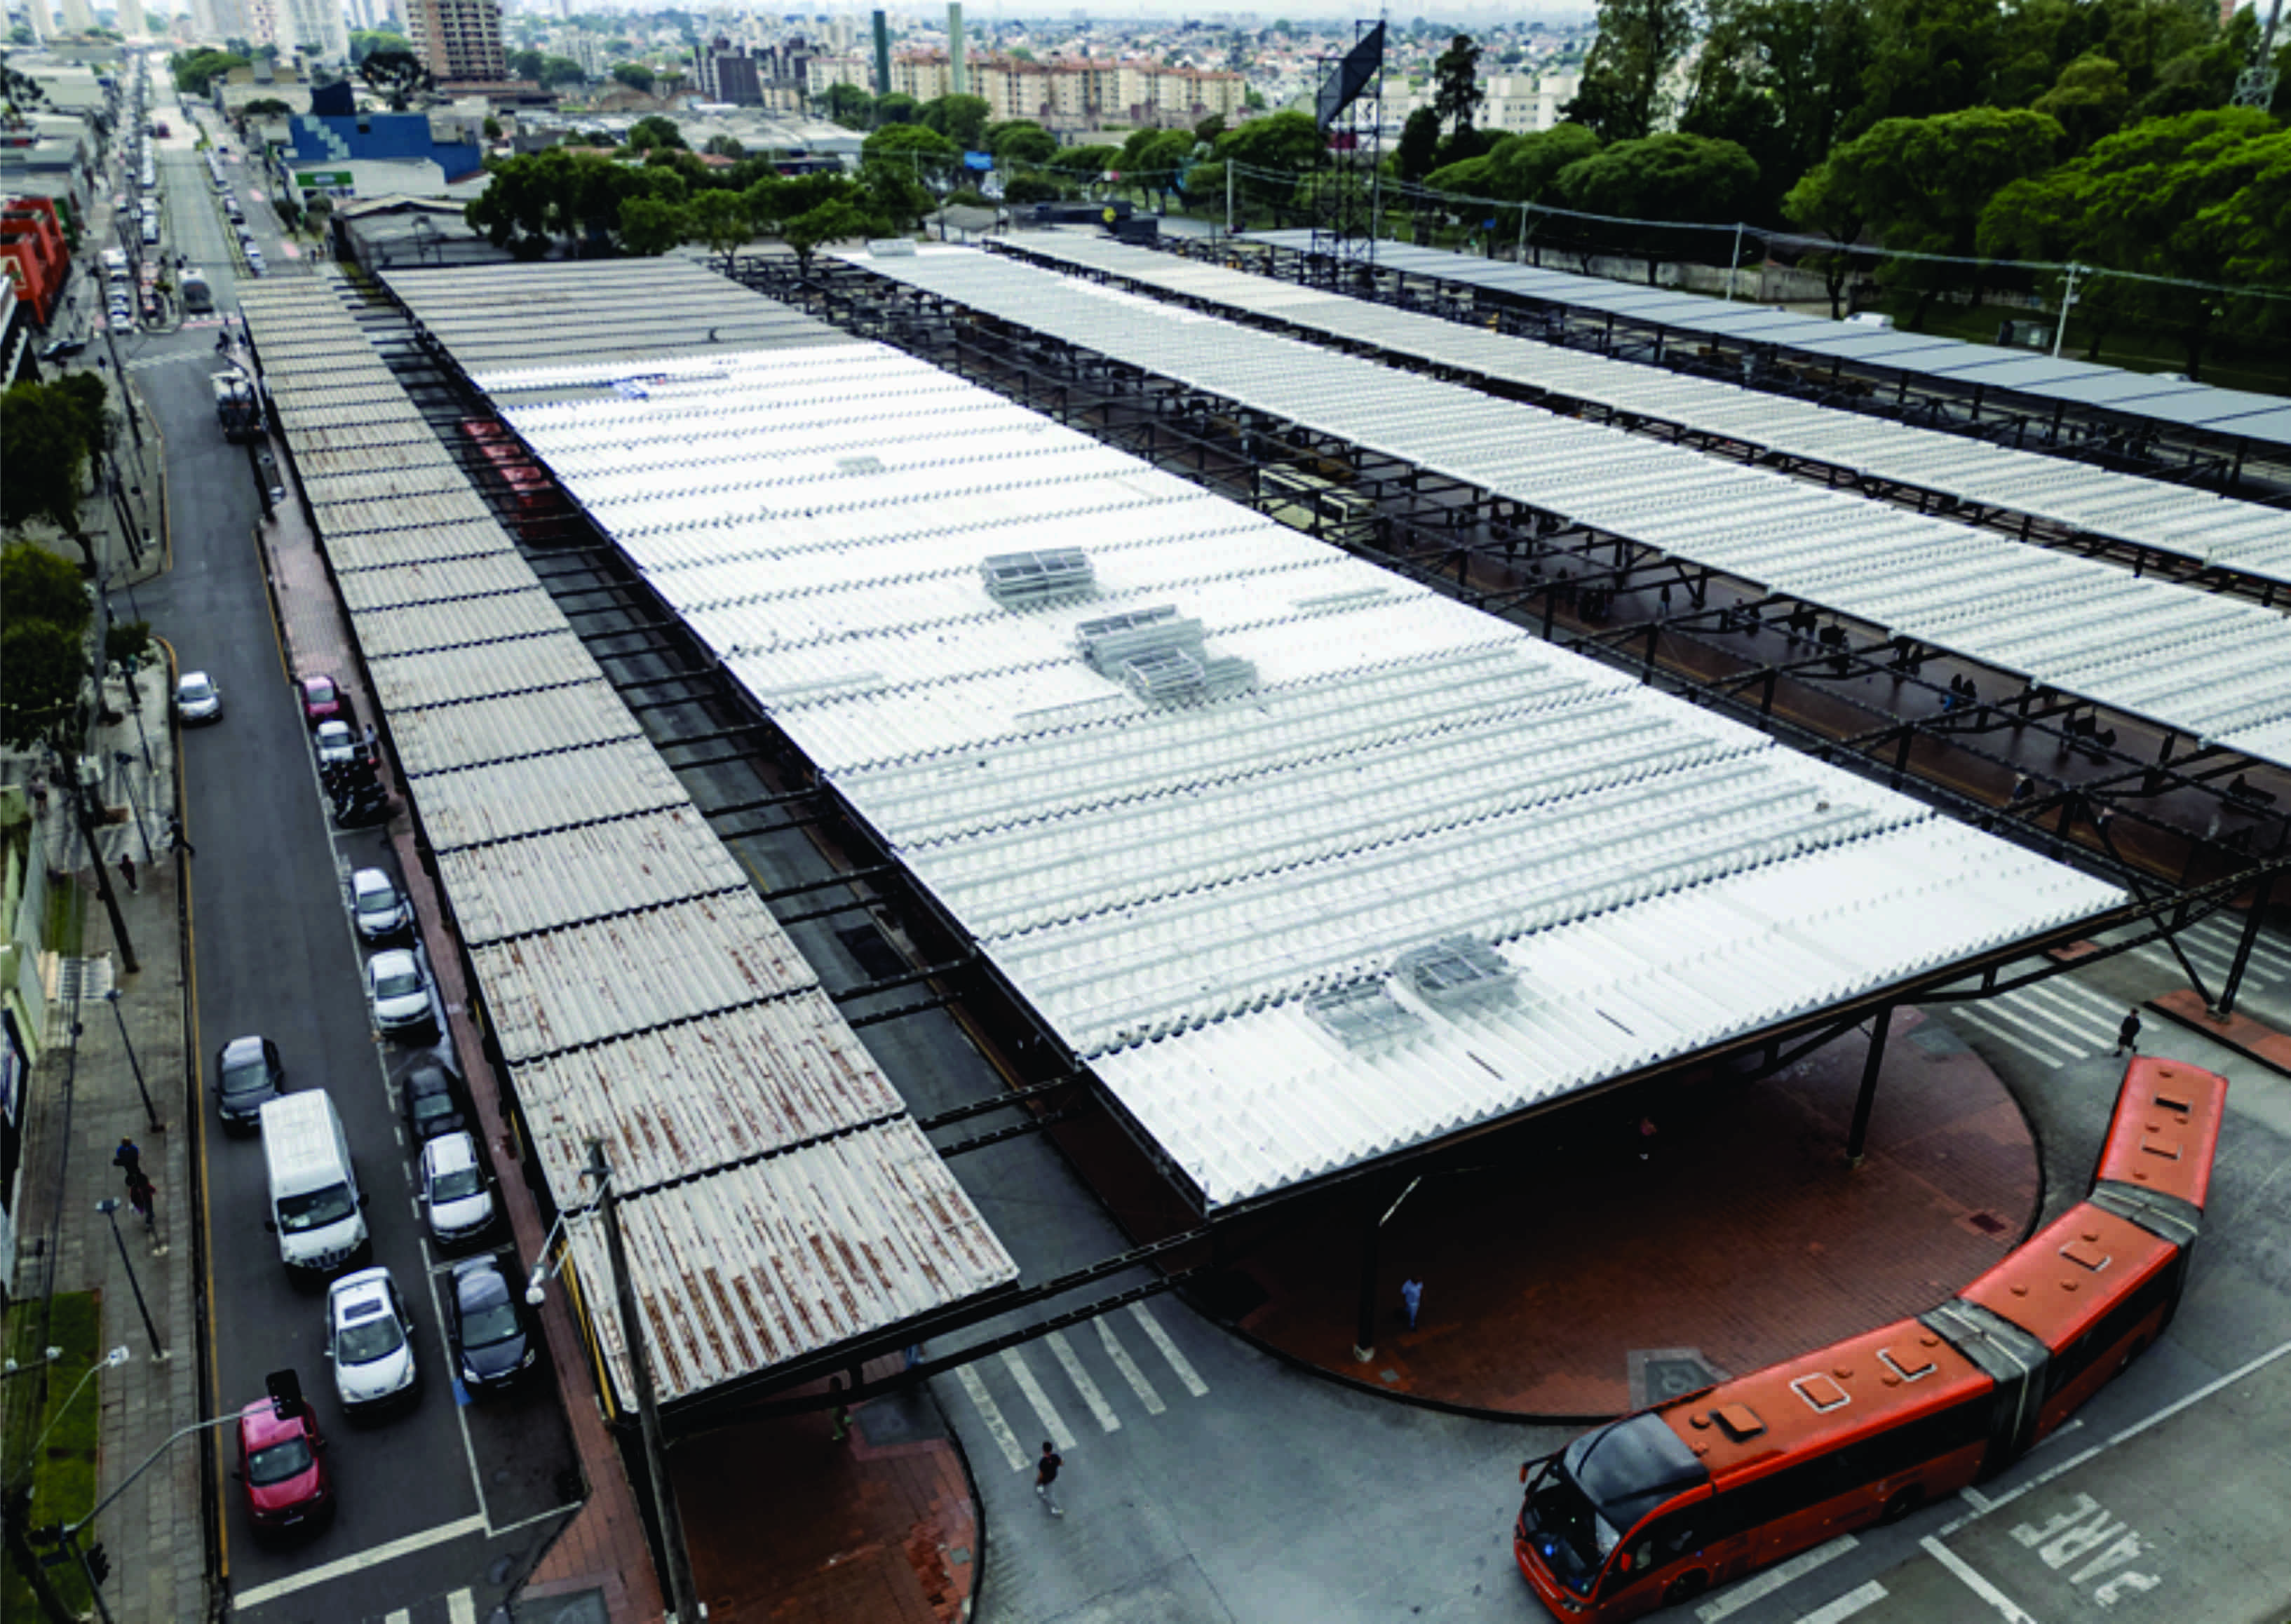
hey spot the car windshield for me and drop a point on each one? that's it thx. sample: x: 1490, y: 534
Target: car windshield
x: 396, y: 984
x: 430, y: 1107
x: 287, y: 1458
x: 369, y: 1339
x: 457, y: 1185
x: 320, y: 691
x: 315, y: 1209
x: 194, y: 688
x: 377, y: 902
x: 484, y: 1327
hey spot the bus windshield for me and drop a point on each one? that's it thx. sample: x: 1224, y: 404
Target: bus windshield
x: 1599, y: 1488
x: 1566, y: 1532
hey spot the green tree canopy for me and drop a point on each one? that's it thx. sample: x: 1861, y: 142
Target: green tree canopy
x: 1668, y: 177
x: 41, y: 667
x: 2089, y: 100
x: 1270, y: 154
x: 196, y: 71
x: 650, y: 226
x: 37, y: 584
x: 724, y: 147
x: 636, y: 75
x: 722, y: 220
x: 897, y: 107
x: 1622, y: 96
x: 961, y: 119
x: 838, y: 219
x: 1021, y: 140
x: 849, y: 105
x: 398, y: 74
x: 911, y: 150
x: 1420, y: 145
x: 366, y: 42
x: 1455, y: 93
x: 44, y: 444
x: 654, y: 130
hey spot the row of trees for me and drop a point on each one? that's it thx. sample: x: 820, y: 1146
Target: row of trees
x: 51, y: 435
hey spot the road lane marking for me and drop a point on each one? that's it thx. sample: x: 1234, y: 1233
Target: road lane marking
x: 1766, y: 1583
x: 1107, y: 1421
x: 1975, y: 1582
x: 1846, y: 1605
x: 462, y: 1608
x: 990, y: 1412
x: 1128, y: 1366
x: 341, y: 1567
x: 1152, y: 1327
x: 1052, y: 1421
x: 398, y: 1616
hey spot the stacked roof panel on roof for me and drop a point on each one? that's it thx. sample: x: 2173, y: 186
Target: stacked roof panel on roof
x: 2266, y: 419
x: 2242, y: 536
x: 2204, y: 665
x: 641, y: 991
x: 1208, y: 900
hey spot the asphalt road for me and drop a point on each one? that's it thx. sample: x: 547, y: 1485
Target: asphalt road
x: 443, y: 1498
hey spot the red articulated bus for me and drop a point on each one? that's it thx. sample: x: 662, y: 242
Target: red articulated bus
x: 529, y: 485
x: 1659, y: 1506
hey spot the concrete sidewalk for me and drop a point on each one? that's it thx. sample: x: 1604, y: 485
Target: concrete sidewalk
x: 84, y: 1099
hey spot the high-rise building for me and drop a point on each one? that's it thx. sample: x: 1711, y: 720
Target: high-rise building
x: 77, y: 18
x: 43, y: 25
x: 130, y: 18
x: 954, y: 53
x: 457, y: 39
x: 315, y: 27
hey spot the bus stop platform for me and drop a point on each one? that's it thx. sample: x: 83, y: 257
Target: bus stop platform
x: 1648, y: 1250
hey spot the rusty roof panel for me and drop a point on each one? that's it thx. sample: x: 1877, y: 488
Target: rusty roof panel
x: 443, y: 738
x: 510, y: 801
x: 448, y: 676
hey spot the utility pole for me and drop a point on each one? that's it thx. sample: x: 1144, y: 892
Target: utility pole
x: 2255, y: 86
x: 663, y: 1495
x: 2067, y: 300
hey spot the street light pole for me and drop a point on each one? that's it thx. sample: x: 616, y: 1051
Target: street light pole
x: 671, y: 1526
x: 110, y: 1207
x: 150, y: 1111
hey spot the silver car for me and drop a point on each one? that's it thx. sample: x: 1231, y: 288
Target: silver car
x: 455, y: 1197
x: 370, y: 1339
x: 398, y: 988
x: 197, y: 699
x: 380, y: 908
x: 335, y: 742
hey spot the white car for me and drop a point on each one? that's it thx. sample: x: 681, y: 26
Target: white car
x: 455, y: 1197
x: 380, y: 908
x: 335, y: 742
x: 370, y: 1339
x: 398, y: 990
x: 197, y: 699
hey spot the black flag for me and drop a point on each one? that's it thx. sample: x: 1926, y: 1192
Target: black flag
x: 1353, y: 75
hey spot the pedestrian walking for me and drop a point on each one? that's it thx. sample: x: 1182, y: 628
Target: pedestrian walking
x: 841, y: 1414
x: 1046, y: 1476
x: 2127, y: 1035
x: 1646, y: 1137
x: 1412, y: 1300
x: 127, y: 871
x: 175, y: 840
x: 373, y: 742
x: 140, y: 1196
x: 128, y: 1158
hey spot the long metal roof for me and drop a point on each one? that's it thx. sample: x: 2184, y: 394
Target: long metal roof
x: 2217, y: 530
x: 1417, y: 872
x: 2266, y: 419
x: 2207, y: 666
x: 641, y: 991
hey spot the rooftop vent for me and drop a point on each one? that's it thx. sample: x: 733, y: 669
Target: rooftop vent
x: 1016, y: 580
x: 1456, y: 972
x: 1158, y: 653
x: 1361, y: 1013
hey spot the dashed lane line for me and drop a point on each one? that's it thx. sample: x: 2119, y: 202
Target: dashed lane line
x: 460, y: 1608
x: 1846, y: 1605
x: 1107, y: 1421
x: 359, y: 1561
x: 990, y: 1412
x: 1052, y: 1421
x: 1152, y: 1327
x: 1128, y: 1366
x: 1752, y: 1590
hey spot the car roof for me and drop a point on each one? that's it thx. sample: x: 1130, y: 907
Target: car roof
x: 261, y: 1425
x: 333, y: 725
x: 394, y: 958
x: 371, y: 880
x: 479, y: 1282
x: 190, y: 677
x: 248, y: 1048
x: 366, y: 1285
x: 313, y: 678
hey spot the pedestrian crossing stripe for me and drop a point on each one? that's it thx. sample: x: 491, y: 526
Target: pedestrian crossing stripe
x: 1063, y: 1351
x: 1045, y: 1412
x: 1069, y: 1358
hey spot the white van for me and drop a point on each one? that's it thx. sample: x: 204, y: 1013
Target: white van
x: 316, y: 1205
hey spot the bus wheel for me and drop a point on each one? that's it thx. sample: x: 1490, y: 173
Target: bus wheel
x: 1904, y: 1501
x: 1686, y: 1588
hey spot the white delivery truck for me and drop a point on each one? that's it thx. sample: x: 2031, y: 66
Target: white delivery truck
x: 317, y: 1209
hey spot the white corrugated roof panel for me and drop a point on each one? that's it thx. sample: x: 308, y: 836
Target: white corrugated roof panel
x: 761, y: 1264
x: 610, y: 977
x: 548, y: 882
x: 709, y: 1093
x: 444, y: 737
x: 480, y: 670
x: 461, y: 506
x: 396, y: 550
x: 502, y: 617
x: 1875, y: 563
x: 506, y: 800
x: 372, y: 591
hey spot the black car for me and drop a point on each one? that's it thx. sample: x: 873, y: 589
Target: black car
x: 435, y: 1102
x: 486, y: 1325
x: 247, y: 1072
x: 63, y: 348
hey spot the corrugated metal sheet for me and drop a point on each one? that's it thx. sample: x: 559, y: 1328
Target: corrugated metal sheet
x: 396, y: 550
x: 528, y: 613
x: 606, y: 979
x: 710, y: 1094
x: 383, y: 481
x: 445, y: 737
x: 503, y: 800
x: 370, y: 591
x: 311, y: 437
x: 315, y: 465
x: 451, y: 675
x: 517, y: 886
x: 2135, y: 644
x: 459, y: 507
x: 762, y: 1264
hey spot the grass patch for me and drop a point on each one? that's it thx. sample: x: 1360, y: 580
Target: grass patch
x: 63, y: 1471
x: 67, y: 920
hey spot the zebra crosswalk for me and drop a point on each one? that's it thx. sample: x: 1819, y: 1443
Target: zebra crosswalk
x: 2210, y: 947
x: 1075, y: 1376
x: 460, y: 1607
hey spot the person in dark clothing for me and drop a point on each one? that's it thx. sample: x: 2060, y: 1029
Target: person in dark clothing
x: 128, y: 1158
x: 2127, y: 1035
x: 1046, y: 1474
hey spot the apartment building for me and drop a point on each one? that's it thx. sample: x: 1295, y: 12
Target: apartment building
x: 457, y: 39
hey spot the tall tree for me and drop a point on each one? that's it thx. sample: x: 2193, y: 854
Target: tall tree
x: 720, y: 218
x: 1669, y: 177
x: 1420, y: 145
x: 961, y: 119
x: 1622, y: 96
x: 1455, y: 93
x: 398, y: 74
x: 649, y: 226
x: 44, y: 444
